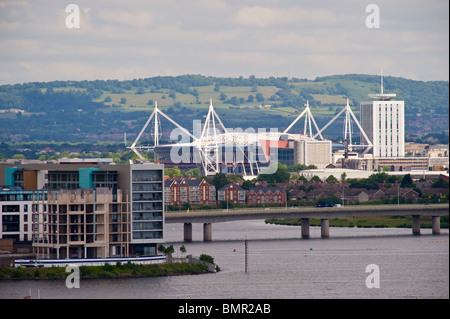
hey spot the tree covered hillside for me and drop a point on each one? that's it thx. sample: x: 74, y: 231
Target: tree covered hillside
x: 103, y: 110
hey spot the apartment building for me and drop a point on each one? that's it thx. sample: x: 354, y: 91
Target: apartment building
x: 192, y: 191
x: 16, y: 212
x: 130, y: 193
x: 266, y: 195
x: 383, y: 120
x: 231, y: 193
x: 81, y: 223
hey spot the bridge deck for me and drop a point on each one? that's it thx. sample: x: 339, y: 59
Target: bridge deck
x: 223, y: 215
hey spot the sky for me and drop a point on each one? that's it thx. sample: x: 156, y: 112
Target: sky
x: 133, y: 39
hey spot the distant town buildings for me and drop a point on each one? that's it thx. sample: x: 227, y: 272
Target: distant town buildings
x: 91, y: 210
x: 95, y: 208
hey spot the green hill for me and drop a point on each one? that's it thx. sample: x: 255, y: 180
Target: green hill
x: 103, y: 110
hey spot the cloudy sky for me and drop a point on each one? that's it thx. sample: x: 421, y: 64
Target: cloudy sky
x: 294, y: 38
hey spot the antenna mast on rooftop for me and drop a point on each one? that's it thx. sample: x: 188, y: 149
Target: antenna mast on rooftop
x: 382, y: 96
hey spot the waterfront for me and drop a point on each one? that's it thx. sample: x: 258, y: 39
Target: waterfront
x: 281, y: 265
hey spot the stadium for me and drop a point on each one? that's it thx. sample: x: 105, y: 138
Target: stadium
x: 213, y: 148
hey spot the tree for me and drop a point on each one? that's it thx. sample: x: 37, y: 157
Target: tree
x: 168, y: 251
x: 172, y: 171
x: 161, y: 248
x: 195, y: 173
x: 220, y: 180
x: 331, y: 179
x: 259, y: 97
x: 407, y: 181
x: 183, y: 250
x: 123, y: 100
x: 439, y: 183
x: 281, y: 175
x: 247, y: 184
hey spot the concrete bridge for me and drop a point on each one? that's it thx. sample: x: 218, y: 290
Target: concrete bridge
x: 208, y: 217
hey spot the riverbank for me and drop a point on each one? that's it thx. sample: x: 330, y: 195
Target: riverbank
x: 128, y: 270
x: 366, y: 222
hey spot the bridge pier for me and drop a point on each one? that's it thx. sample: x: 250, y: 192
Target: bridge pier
x: 436, y: 225
x: 416, y: 224
x: 305, y: 227
x: 187, y: 232
x: 207, y: 232
x: 325, y: 228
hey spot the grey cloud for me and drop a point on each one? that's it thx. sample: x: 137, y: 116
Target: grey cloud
x: 223, y: 38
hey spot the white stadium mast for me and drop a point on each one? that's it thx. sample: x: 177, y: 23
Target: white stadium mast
x: 308, y: 118
x: 210, y: 151
x: 348, y: 130
x: 154, y: 114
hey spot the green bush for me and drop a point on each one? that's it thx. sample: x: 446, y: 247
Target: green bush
x: 17, y: 273
x: 207, y: 258
x: 108, y: 267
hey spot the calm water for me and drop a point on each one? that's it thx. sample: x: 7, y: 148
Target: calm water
x: 281, y: 265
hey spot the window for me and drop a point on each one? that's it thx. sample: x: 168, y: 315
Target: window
x: 11, y: 208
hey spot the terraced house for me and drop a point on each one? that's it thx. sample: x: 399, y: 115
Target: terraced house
x: 231, y: 193
x: 266, y: 195
x: 192, y: 191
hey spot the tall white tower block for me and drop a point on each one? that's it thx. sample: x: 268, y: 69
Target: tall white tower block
x: 383, y: 120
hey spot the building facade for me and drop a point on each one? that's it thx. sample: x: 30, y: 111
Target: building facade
x: 383, y: 121
x: 135, y: 192
x: 16, y: 212
x: 81, y: 223
x: 231, y: 193
x: 266, y: 195
x: 192, y: 191
x: 147, y: 208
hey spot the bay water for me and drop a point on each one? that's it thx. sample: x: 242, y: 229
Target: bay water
x: 280, y: 265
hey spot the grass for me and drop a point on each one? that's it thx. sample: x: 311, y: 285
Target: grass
x: 326, y: 99
x: 365, y: 222
x: 128, y: 270
x: 247, y: 112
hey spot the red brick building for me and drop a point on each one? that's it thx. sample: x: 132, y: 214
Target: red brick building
x: 266, y: 195
x: 232, y: 193
x: 172, y: 192
x: 194, y: 192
